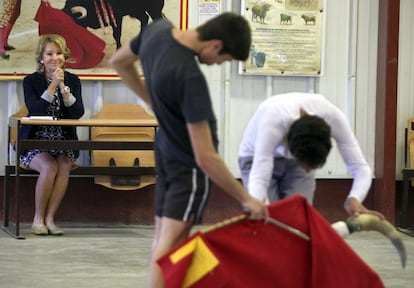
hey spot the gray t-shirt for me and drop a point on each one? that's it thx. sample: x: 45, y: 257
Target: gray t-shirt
x: 178, y: 90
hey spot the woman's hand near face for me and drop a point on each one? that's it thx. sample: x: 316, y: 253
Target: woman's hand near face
x: 58, y: 78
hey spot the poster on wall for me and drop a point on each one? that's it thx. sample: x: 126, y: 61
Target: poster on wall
x: 207, y: 9
x: 93, y: 30
x: 287, y: 37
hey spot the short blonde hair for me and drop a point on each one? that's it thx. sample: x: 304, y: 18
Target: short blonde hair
x: 41, y: 45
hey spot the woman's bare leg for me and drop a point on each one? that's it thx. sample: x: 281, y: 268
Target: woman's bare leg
x: 46, y: 165
x: 64, y: 165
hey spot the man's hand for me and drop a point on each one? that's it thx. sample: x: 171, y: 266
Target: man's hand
x: 354, y: 208
x: 257, y: 209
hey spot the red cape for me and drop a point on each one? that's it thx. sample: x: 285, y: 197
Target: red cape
x: 86, y: 49
x: 254, y: 254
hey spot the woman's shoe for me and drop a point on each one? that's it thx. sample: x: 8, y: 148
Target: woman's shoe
x: 54, y: 230
x: 4, y: 56
x: 39, y: 229
x: 9, y: 47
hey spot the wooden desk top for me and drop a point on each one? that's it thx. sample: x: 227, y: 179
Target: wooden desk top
x: 96, y: 122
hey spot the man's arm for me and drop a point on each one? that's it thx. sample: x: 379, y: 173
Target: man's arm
x: 271, y: 136
x: 354, y: 208
x: 210, y: 162
x: 123, y: 61
x: 356, y: 163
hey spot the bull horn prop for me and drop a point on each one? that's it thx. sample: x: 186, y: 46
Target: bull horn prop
x: 368, y: 222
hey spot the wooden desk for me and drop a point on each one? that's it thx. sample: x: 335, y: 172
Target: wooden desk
x: 16, y: 171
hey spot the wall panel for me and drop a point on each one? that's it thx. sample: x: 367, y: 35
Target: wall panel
x: 347, y: 25
x: 235, y: 97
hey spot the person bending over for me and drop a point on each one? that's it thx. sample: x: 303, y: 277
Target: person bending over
x: 288, y: 137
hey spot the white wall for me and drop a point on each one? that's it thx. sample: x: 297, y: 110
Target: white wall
x: 348, y: 81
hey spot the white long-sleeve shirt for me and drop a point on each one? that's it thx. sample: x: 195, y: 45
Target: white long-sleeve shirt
x: 265, y: 138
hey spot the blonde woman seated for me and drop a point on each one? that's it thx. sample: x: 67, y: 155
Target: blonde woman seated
x: 51, y: 91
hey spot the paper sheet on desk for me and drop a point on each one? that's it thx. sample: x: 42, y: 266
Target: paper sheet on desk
x: 39, y: 118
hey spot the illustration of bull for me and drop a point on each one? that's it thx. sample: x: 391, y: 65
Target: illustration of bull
x: 308, y: 19
x: 285, y: 19
x: 100, y: 13
x: 259, y: 12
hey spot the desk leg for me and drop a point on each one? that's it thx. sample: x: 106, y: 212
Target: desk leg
x: 404, y: 202
x: 6, y: 211
x: 6, y: 198
x: 17, y: 201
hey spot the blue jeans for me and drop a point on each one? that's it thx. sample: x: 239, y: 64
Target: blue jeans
x: 288, y: 178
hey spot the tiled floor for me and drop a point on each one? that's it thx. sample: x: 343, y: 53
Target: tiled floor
x: 117, y: 257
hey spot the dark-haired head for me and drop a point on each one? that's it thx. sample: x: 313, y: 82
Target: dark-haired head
x: 234, y: 32
x: 309, y: 141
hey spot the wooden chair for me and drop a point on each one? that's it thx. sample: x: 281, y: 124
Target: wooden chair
x: 123, y: 158
x: 23, y: 112
x: 407, y: 171
x: 410, y: 145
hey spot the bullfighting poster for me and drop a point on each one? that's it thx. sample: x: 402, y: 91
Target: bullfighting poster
x: 287, y: 37
x: 93, y: 30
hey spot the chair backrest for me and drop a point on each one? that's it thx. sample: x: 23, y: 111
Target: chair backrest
x: 23, y: 112
x: 122, y: 111
x: 12, y: 134
x: 123, y: 157
x: 410, y: 143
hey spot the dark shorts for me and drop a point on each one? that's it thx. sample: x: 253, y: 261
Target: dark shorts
x: 181, y: 192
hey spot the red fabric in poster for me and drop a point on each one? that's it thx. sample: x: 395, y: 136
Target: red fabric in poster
x: 254, y: 254
x: 87, y: 50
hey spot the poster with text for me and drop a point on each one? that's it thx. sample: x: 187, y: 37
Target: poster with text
x: 287, y: 37
x: 207, y: 9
